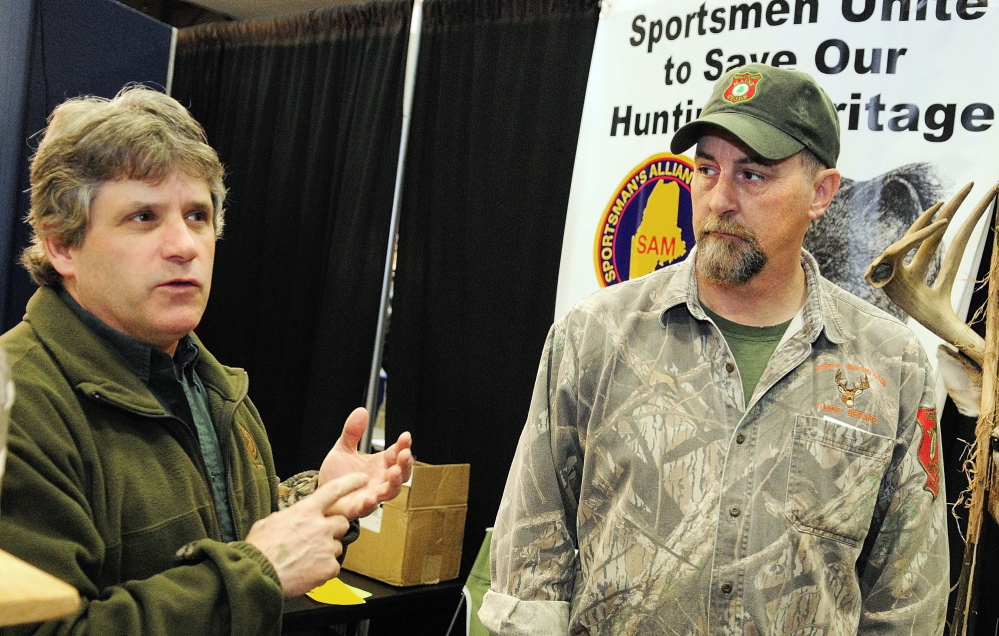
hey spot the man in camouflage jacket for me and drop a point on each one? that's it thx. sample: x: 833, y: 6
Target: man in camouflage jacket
x: 662, y: 487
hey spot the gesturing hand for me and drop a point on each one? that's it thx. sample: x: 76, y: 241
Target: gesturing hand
x: 386, y: 471
x: 303, y: 540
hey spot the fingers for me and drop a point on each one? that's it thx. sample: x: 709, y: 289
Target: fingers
x: 401, y: 450
x: 359, y: 503
x: 336, y: 489
x: 395, y: 477
x: 405, y: 440
x: 405, y: 464
x: 391, y: 482
x: 398, y: 468
x: 339, y: 527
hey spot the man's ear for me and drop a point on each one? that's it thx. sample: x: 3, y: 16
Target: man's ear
x: 824, y: 188
x: 60, y: 256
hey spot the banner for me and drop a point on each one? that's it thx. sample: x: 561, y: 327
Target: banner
x: 913, y: 81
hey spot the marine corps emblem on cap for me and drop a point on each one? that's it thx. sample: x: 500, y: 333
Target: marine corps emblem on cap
x: 742, y: 87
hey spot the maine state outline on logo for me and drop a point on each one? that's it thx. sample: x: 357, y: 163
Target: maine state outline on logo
x: 648, y: 223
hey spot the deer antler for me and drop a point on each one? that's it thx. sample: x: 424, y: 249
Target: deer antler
x: 906, y: 285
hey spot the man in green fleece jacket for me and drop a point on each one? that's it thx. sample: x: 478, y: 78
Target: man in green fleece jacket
x: 139, y: 471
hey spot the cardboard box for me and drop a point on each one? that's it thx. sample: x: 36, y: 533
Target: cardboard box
x: 416, y: 538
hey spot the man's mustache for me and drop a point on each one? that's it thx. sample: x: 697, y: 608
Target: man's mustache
x: 722, y: 226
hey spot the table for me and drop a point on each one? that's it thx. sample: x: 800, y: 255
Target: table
x: 28, y: 594
x: 421, y: 609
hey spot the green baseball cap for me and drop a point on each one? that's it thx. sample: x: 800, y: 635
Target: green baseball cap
x: 775, y: 111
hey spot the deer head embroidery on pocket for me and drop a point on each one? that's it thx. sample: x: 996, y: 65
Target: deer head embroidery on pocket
x: 850, y: 392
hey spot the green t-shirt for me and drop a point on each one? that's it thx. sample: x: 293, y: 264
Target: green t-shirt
x: 751, y: 346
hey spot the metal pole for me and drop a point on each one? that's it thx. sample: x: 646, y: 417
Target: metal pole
x: 412, y: 57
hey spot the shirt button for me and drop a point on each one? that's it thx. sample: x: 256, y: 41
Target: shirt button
x: 734, y: 512
x: 726, y: 588
x: 740, y: 438
x: 729, y: 367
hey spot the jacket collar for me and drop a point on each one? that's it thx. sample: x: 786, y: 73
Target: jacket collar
x: 820, y: 313
x: 93, y: 368
x: 231, y: 383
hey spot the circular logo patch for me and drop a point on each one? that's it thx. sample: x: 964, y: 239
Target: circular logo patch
x: 648, y: 223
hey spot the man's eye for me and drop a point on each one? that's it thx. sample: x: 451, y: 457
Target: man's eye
x: 752, y: 176
x: 144, y: 217
x: 198, y: 215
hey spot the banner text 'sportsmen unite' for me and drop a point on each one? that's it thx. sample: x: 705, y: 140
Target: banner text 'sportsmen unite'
x: 649, y: 31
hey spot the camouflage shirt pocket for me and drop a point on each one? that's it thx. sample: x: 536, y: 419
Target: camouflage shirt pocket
x: 834, y: 479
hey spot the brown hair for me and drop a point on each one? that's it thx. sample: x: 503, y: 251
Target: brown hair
x: 141, y: 135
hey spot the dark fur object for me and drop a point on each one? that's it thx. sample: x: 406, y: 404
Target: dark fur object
x: 864, y: 218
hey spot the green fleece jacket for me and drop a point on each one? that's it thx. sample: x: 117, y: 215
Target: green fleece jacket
x: 103, y: 488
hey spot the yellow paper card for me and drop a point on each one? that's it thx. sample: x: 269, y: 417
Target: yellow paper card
x: 336, y: 592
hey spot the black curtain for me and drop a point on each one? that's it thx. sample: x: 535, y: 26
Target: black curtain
x: 305, y: 113
x: 497, y: 107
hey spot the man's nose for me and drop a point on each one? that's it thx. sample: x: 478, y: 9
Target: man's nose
x: 723, y: 195
x: 178, y: 239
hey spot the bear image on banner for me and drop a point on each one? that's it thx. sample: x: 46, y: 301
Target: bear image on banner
x: 866, y: 216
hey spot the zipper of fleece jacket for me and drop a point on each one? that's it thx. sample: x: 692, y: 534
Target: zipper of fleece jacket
x: 224, y: 431
x: 188, y: 442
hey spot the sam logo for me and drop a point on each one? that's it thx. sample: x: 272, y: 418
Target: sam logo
x: 742, y: 88
x: 647, y: 225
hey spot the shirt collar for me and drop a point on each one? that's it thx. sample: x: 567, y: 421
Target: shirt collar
x: 818, y: 314
x: 139, y: 357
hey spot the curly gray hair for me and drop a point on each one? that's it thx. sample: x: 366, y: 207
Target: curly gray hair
x: 140, y: 134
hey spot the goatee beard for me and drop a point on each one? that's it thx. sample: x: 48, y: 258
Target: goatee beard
x: 726, y: 261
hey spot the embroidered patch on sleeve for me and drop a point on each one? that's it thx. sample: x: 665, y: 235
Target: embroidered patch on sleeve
x: 929, y: 449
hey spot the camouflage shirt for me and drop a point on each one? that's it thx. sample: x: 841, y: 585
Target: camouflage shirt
x: 647, y: 498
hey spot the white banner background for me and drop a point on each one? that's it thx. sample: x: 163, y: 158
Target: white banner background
x: 943, y: 61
